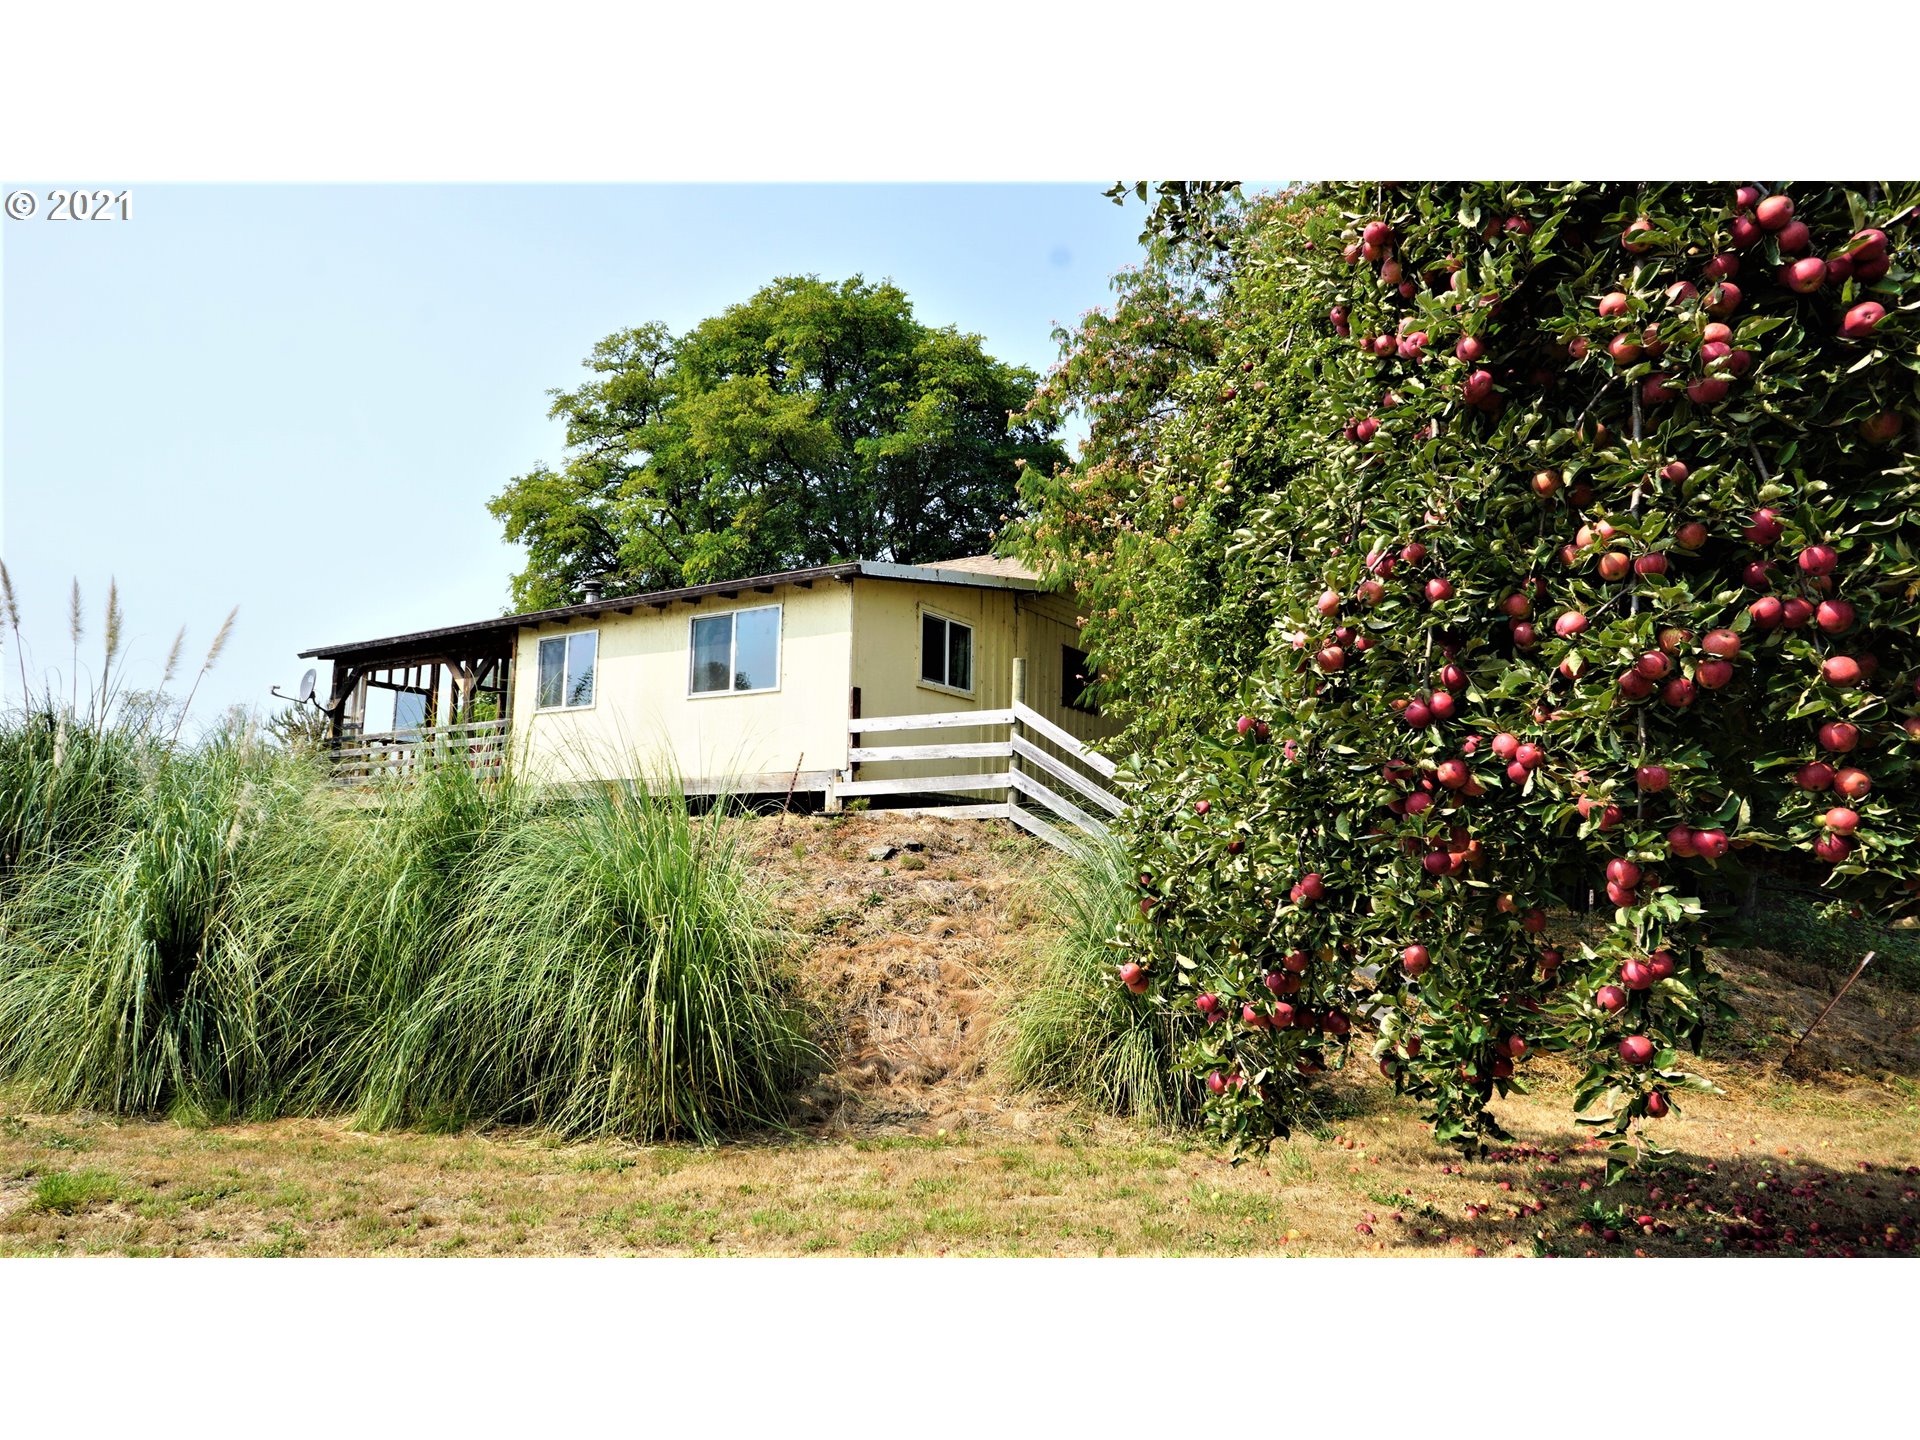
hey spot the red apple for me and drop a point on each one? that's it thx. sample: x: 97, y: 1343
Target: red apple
x: 1680, y: 842
x: 1804, y: 276
x: 1506, y: 746
x: 1842, y: 820
x: 1636, y: 976
x: 1678, y: 692
x: 1439, y: 588
x: 1841, y: 670
x: 1818, y: 560
x: 1479, y: 387
x: 1774, y: 212
x: 1636, y: 1049
x: 1714, y: 674
x: 1796, y: 614
x: 1723, y: 299
x: 1863, y: 319
x: 1655, y: 665
x: 1417, y: 715
x: 1766, y: 612
x: 1707, y: 392
x: 1652, y: 778
x: 1610, y: 998
x: 1623, y: 872
x: 1832, y: 848
x: 1634, y: 685
x: 1711, y: 844
x: 1414, y: 960
x: 1330, y: 657
x: 1794, y: 238
x: 1691, y: 536
x: 1839, y: 736
x: 1470, y: 348
x: 1654, y: 563
x: 1815, y: 775
x: 1765, y: 528
x: 1722, y: 642
x: 1656, y: 1105
x: 1312, y: 887
x: 1635, y: 238
x: 1747, y: 196
x: 1569, y: 624
x: 1625, y: 350
x: 1744, y: 233
x: 1879, y: 429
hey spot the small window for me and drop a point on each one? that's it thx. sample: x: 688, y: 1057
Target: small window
x: 946, y: 652
x: 566, y: 670
x: 1076, y: 678
x: 736, y: 652
x: 409, y: 713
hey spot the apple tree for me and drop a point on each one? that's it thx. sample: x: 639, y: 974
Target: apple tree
x: 1584, y: 527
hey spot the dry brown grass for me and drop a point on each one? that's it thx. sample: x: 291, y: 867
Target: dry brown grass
x: 909, y: 1150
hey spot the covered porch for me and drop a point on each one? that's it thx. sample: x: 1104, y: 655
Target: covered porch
x: 451, y: 693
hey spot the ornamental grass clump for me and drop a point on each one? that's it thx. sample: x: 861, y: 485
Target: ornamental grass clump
x: 613, y: 972
x: 1072, y: 1030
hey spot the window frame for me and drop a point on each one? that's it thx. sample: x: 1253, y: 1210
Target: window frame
x: 920, y: 656
x: 566, y: 637
x: 733, y: 649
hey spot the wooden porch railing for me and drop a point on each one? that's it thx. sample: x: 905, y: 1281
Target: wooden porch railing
x: 1042, y: 778
x: 362, y: 759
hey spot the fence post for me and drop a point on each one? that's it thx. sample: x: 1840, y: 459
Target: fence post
x: 1013, y: 722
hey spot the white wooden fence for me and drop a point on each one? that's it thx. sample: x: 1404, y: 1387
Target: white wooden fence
x: 1032, y: 788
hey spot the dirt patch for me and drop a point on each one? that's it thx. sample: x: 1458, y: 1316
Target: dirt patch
x: 906, y: 931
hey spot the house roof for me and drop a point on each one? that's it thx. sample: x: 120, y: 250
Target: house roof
x: 977, y: 571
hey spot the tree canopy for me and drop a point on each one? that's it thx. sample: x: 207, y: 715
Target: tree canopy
x: 815, y: 422
x: 1562, y: 544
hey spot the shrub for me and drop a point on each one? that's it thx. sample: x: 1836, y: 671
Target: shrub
x: 613, y: 971
x: 1071, y: 1029
x: 132, y: 977
x: 1464, y: 435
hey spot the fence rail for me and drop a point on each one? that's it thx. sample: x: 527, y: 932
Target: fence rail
x: 362, y: 759
x: 1059, y: 794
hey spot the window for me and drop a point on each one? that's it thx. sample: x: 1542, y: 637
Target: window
x: 409, y: 712
x: 1076, y: 675
x: 946, y: 652
x: 736, y: 652
x: 566, y: 670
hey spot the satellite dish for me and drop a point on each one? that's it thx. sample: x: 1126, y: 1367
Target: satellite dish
x: 304, y: 696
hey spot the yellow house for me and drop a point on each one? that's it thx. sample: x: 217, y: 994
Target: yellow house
x: 757, y: 685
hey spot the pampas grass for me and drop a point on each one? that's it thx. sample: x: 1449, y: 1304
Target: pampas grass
x: 1074, y: 1029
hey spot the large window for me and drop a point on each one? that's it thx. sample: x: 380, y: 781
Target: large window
x: 566, y: 670
x: 946, y: 652
x: 1076, y: 674
x: 736, y: 652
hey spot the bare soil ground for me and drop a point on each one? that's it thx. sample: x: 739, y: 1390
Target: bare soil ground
x: 910, y: 1148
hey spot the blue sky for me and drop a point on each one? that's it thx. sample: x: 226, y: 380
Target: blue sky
x: 298, y: 399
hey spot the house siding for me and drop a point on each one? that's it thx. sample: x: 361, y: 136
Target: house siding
x: 642, y: 717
